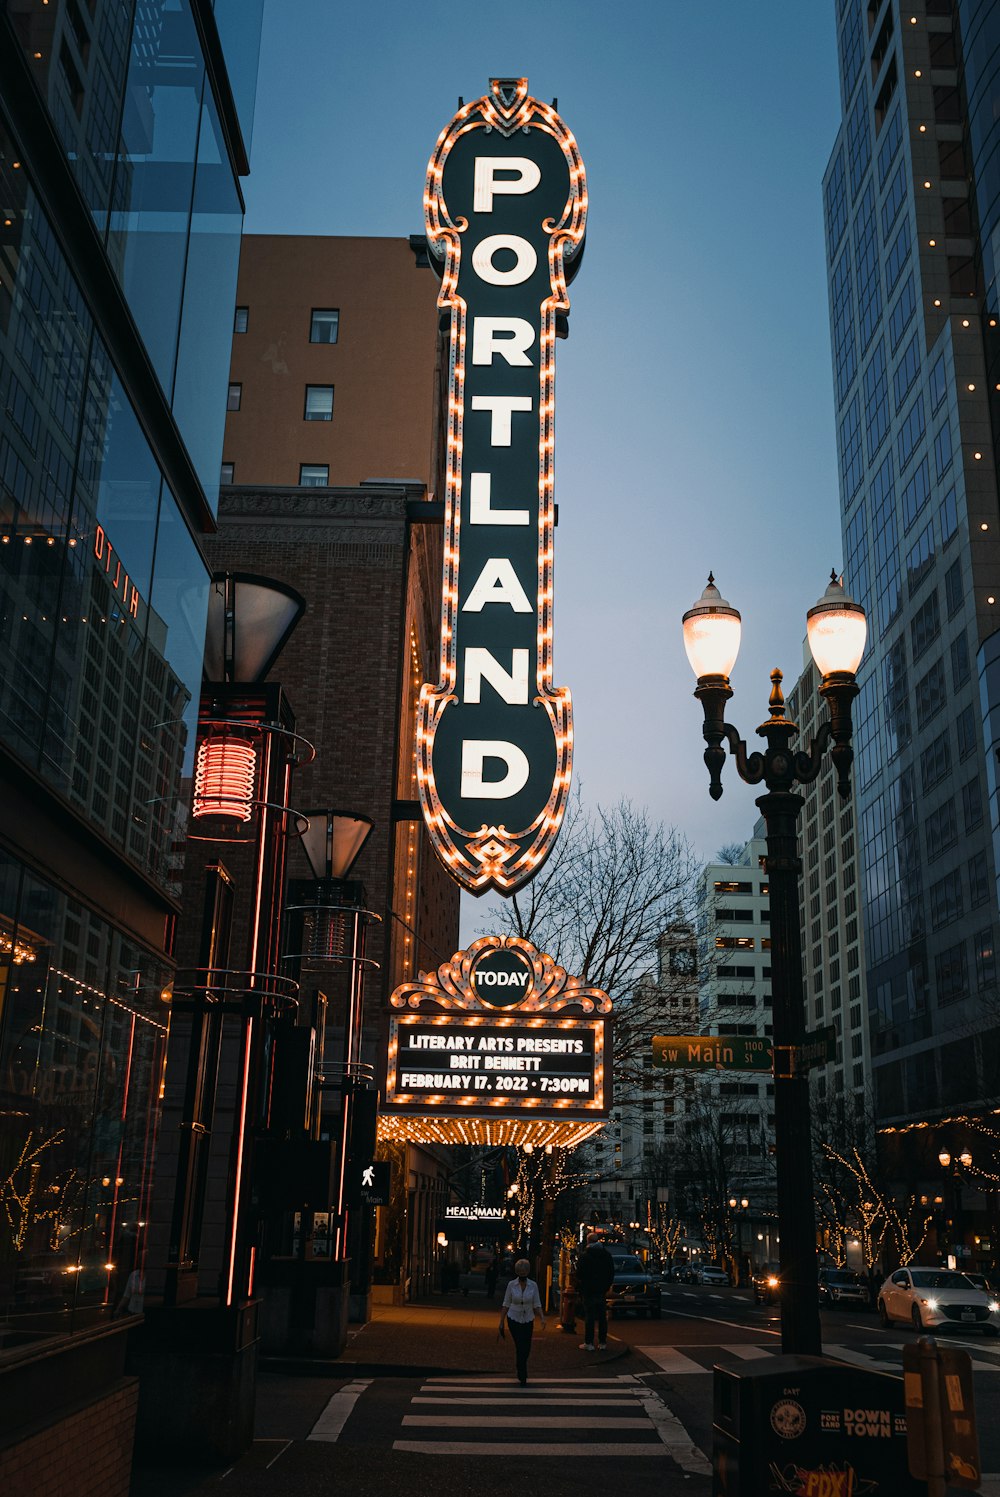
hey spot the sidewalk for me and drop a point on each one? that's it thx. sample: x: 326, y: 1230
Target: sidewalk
x: 454, y: 1333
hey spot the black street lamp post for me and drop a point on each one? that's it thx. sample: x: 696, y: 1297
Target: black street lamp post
x: 836, y: 630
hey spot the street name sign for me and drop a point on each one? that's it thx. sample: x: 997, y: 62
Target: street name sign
x: 505, y: 207
x: 818, y: 1047
x: 712, y: 1052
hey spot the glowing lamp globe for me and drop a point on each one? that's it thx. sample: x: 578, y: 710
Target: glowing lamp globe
x: 712, y: 634
x: 837, y: 630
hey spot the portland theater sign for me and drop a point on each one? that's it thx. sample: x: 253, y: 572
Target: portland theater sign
x: 498, y: 1046
x: 506, y: 208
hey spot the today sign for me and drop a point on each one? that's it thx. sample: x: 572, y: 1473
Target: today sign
x: 505, y: 206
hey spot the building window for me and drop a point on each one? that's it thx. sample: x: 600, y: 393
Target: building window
x: 227, y: 473
x: 730, y: 943
x: 986, y: 966
x: 314, y: 475
x: 324, y: 325
x: 234, y: 398
x: 241, y: 319
x: 319, y: 403
x: 950, y: 974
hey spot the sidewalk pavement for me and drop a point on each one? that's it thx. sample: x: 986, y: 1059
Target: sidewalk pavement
x: 452, y: 1333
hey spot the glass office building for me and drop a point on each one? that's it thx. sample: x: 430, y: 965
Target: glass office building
x: 124, y: 130
x: 910, y: 205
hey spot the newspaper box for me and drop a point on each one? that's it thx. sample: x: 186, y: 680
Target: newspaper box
x: 811, y: 1427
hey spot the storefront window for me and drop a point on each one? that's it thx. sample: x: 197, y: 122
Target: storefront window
x: 83, y: 1034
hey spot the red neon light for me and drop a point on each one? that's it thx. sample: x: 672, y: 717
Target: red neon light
x: 225, y: 771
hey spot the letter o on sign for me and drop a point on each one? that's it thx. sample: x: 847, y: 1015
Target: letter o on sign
x: 501, y: 978
x: 482, y: 260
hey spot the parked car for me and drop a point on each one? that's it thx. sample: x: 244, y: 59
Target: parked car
x: 935, y: 1297
x: 767, y: 1284
x: 842, y: 1286
x: 634, y: 1288
x: 711, y: 1273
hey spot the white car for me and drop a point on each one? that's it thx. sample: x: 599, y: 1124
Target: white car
x: 711, y: 1273
x: 931, y: 1297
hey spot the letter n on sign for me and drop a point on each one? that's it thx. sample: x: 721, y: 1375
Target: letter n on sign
x: 506, y: 208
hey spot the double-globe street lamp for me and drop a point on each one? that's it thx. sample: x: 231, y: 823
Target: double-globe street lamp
x: 836, y: 631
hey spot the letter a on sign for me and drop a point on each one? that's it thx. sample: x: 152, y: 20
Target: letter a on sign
x: 506, y: 210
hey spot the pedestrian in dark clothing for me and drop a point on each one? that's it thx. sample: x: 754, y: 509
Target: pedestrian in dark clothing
x: 595, y: 1274
x: 521, y: 1304
x: 490, y: 1278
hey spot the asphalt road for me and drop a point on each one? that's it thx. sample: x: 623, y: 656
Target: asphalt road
x: 640, y: 1422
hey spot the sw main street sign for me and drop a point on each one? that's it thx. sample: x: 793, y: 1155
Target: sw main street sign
x: 711, y: 1052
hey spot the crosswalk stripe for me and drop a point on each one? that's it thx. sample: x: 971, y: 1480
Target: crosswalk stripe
x: 856, y: 1358
x: 566, y: 1451
x: 529, y: 1395
x: 674, y: 1362
x: 745, y: 1352
x: 549, y: 1382
x: 331, y: 1422
x: 524, y: 1421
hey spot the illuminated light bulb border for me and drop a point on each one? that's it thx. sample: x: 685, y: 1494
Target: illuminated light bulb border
x: 493, y: 1132
x: 497, y: 857
x: 450, y: 987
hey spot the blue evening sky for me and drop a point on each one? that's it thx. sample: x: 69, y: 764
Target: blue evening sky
x: 695, y: 423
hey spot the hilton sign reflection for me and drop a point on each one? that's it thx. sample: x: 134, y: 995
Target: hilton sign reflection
x: 505, y: 206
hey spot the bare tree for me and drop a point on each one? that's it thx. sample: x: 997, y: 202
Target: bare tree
x: 731, y: 853
x: 615, y: 883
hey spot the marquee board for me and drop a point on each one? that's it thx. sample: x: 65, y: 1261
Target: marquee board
x: 499, y: 1045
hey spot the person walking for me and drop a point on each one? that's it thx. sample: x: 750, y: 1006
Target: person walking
x: 521, y: 1305
x: 595, y: 1274
x: 490, y: 1277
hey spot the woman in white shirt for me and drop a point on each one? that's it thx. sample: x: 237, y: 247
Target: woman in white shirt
x: 521, y: 1304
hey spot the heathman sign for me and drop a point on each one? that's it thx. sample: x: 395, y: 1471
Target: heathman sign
x: 506, y: 207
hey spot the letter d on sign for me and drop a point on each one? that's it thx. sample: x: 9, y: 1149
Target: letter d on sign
x: 475, y: 751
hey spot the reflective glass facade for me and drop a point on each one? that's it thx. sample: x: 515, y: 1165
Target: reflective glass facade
x: 918, y: 502
x: 131, y: 98
x: 117, y: 287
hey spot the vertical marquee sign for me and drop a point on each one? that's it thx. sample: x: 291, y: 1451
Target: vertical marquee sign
x: 506, y: 208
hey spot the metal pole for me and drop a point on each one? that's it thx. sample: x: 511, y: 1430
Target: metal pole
x: 800, y: 1328
x: 930, y: 1389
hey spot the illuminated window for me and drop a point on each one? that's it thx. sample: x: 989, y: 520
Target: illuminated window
x: 324, y: 325
x: 226, y: 475
x: 241, y: 319
x: 314, y: 475
x: 234, y: 398
x: 728, y: 943
x: 319, y: 403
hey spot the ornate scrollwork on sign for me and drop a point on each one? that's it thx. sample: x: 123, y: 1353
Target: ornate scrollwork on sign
x: 529, y: 980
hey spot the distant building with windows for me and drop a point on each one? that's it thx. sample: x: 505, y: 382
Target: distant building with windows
x: 630, y: 1157
x: 911, y: 218
x: 734, y: 998
x: 833, y: 960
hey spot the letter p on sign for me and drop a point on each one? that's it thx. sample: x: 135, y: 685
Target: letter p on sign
x: 488, y: 185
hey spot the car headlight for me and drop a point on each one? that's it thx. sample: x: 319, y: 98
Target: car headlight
x: 772, y: 1283
x: 994, y: 1307
x: 931, y: 1304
